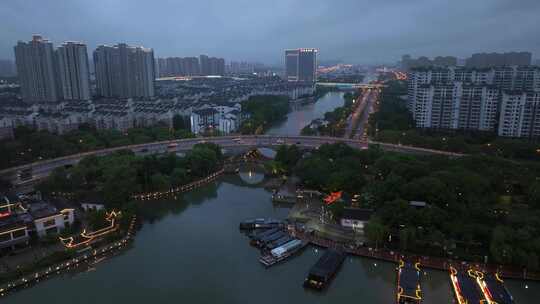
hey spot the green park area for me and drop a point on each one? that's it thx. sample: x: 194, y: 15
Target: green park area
x: 30, y: 145
x: 475, y: 206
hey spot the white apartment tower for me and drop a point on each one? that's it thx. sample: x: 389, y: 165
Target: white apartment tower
x: 501, y: 99
x: 73, y: 71
x: 36, y: 69
x: 124, y: 71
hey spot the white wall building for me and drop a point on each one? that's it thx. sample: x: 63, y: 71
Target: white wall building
x: 460, y: 98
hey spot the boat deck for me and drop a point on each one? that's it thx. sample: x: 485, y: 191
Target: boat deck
x: 268, y: 260
x: 408, y: 281
x: 466, y: 288
x: 325, y: 269
x: 494, y: 290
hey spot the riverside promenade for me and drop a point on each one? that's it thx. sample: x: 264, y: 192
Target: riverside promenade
x: 45, y: 273
x: 436, y: 263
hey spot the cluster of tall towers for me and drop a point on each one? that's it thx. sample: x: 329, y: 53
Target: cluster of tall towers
x: 190, y: 66
x: 47, y: 74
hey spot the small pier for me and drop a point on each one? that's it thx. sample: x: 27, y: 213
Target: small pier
x: 325, y: 269
x: 408, y: 283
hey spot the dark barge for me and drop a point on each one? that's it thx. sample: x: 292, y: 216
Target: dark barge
x: 493, y: 288
x: 408, y: 283
x: 260, y: 224
x: 257, y: 237
x: 283, y: 240
x: 325, y: 269
x: 465, y: 286
x: 282, y: 252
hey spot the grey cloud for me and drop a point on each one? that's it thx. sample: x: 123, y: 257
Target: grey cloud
x: 353, y: 30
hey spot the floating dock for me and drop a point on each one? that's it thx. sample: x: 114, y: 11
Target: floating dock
x: 408, y: 283
x: 493, y: 288
x: 465, y: 286
x: 257, y: 237
x: 325, y: 269
x: 260, y: 223
x: 279, y: 242
x: 282, y: 252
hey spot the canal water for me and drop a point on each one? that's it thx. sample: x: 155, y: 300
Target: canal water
x: 190, y: 250
x: 302, y: 114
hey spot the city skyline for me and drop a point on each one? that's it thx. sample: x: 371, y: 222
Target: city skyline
x: 368, y: 32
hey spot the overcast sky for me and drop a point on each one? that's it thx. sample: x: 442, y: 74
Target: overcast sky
x: 358, y: 31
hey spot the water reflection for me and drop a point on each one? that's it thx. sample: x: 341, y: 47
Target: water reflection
x: 251, y: 174
x: 302, y: 114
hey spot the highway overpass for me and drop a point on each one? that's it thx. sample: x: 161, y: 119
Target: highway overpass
x: 34, y: 172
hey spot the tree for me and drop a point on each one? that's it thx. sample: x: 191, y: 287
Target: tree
x: 119, y: 186
x: 96, y: 219
x: 159, y: 182
x: 407, y: 238
x: 376, y: 231
x: 534, y: 194
x: 288, y: 155
x: 202, y: 161
x: 179, y: 177
x: 179, y: 123
x: 499, y: 247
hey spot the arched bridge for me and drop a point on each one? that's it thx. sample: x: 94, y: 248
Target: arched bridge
x: 30, y: 173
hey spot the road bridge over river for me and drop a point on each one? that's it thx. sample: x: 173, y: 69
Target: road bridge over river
x: 25, y: 176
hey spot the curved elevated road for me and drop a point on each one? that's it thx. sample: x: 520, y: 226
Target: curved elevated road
x: 231, y: 144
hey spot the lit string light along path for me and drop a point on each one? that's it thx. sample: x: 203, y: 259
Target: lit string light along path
x: 47, y: 272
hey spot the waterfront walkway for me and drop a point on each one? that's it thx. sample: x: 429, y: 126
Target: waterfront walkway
x: 427, y: 262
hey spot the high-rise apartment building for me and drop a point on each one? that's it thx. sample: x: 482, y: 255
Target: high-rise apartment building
x: 177, y: 66
x: 191, y: 66
x: 301, y: 65
x: 502, y: 99
x: 124, y: 71
x: 204, y: 63
x: 72, y: 59
x: 217, y: 66
x: 36, y: 68
x: 520, y: 114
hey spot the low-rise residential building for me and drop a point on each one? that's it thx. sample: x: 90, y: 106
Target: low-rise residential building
x: 355, y: 218
x: 20, y: 219
x: 13, y: 233
x: 6, y: 128
x: 48, y: 220
x: 204, y: 120
x: 57, y: 122
x: 223, y: 118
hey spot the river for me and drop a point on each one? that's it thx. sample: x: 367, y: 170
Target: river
x: 191, y: 251
x: 302, y: 114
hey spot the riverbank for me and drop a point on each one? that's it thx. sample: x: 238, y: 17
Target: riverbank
x: 302, y: 114
x: 40, y: 275
x: 185, y: 239
x: 435, y: 263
